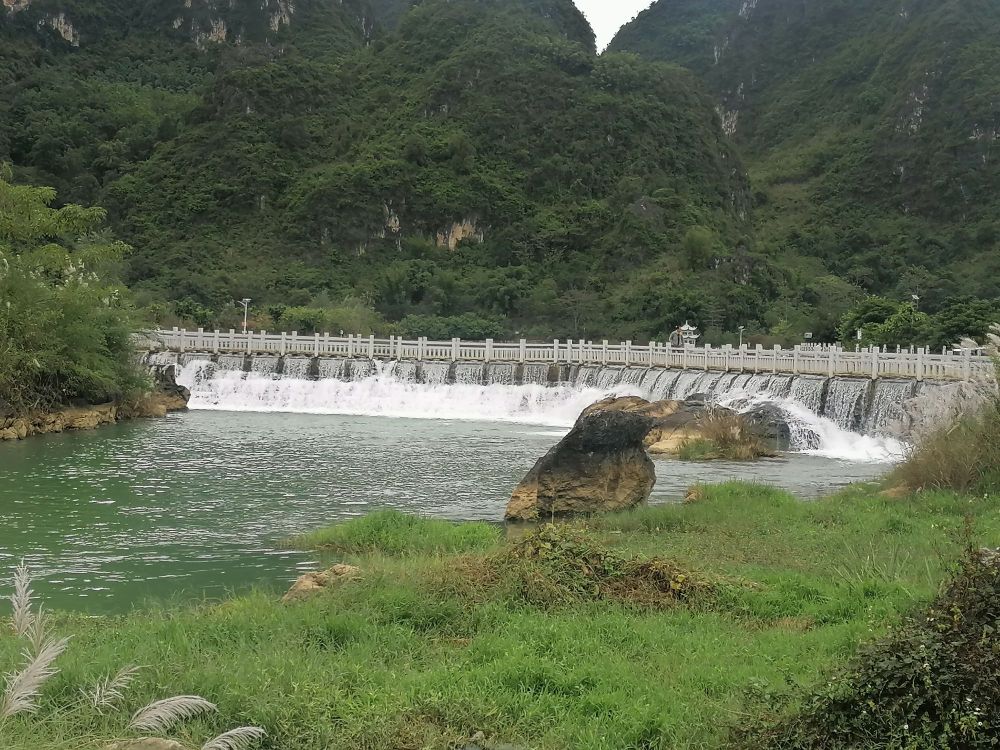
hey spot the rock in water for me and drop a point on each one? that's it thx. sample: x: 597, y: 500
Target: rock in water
x: 599, y: 466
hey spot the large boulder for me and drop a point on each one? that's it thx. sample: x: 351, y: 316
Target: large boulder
x: 771, y: 424
x: 599, y: 466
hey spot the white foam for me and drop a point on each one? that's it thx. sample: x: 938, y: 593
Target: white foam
x: 383, y: 395
x: 819, y: 436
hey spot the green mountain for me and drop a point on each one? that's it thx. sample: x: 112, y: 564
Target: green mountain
x: 870, y: 129
x: 472, y: 163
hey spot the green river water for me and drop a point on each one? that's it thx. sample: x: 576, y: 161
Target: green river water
x: 196, y: 505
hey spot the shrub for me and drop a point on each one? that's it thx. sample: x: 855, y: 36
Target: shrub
x: 564, y: 564
x: 935, y: 682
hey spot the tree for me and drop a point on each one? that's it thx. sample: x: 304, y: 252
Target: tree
x: 65, y: 322
x: 697, y: 248
x: 871, y: 311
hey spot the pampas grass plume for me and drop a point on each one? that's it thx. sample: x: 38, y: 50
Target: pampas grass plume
x: 161, y: 715
x: 236, y: 739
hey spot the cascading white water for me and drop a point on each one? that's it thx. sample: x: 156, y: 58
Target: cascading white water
x: 887, y: 404
x: 293, y: 367
x: 385, y: 395
x: 608, y: 377
x: 500, y: 373
x: 185, y: 359
x: 434, y: 373
x: 469, y: 373
x: 820, y: 436
x: 404, y: 370
x: 535, y: 373
x: 265, y: 365
x: 845, y: 401
x: 474, y: 391
x: 231, y: 361
x: 808, y: 392
x: 332, y: 368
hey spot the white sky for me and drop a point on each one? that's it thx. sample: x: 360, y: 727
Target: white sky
x: 607, y: 16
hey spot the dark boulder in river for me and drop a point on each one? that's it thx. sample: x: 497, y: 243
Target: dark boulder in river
x: 600, y: 466
x: 771, y: 423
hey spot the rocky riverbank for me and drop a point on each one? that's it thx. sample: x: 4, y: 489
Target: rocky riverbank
x: 164, y: 397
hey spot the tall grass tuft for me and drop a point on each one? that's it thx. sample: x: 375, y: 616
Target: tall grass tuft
x: 163, y: 714
x: 21, y: 600
x: 963, y: 455
x: 24, y: 687
x: 240, y: 738
x: 724, y: 434
x: 109, y: 693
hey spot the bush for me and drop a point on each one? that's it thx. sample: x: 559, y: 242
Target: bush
x: 467, y: 326
x: 935, y: 683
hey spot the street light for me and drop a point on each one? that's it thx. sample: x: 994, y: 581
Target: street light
x: 246, y: 311
x: 742, y: 328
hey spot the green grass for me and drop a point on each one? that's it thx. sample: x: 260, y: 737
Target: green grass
x: 393, y: 533
x: 426, y: 648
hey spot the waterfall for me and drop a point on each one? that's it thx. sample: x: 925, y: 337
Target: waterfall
x: 586, y: 376
x: 649, y: 380
x: 231, y: 361
x: 335, y: 369
x: 361, y: 368
x: 405, y: 370
x: 888, y: 404
x: 535, y: 373
x: 469, y: 373
x: 160, y: 359
x: 500, y: 373
x: 294, y: 367
x: 434, y: 373
x: 608, y: 377
x: 187, y: 358
x: 808, y: 391
x: 384, y: 395
x: 845, y: 401
x: 265, y: 365
x: 824, y: 416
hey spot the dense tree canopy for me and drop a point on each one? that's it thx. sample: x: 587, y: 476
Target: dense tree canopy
x: 65, y: 324
x: 475, y: 165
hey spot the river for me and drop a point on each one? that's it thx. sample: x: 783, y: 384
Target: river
x: 195, y: 505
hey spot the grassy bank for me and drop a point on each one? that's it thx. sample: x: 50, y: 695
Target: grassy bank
x: 450, y: 632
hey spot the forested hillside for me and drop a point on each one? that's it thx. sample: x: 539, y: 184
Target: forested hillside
x: 871, y: 130
x: 474, y: 164
x: 474, y: 168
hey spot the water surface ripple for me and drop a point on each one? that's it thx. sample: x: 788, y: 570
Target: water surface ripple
x: 195, y: 504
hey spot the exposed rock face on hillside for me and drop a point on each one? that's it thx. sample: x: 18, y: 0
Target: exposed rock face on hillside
x: 599, y: 466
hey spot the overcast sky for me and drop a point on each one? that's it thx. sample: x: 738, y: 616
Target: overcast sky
x: 607, y: 16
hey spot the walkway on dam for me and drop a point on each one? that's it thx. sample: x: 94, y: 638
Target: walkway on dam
x: 829, y: 361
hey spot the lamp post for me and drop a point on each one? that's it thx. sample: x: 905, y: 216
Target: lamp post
x: 742, y: 328
x: 246, y: 311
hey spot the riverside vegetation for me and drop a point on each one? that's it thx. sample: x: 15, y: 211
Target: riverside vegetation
x: 723, y: 622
